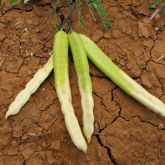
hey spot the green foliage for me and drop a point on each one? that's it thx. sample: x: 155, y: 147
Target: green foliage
x: 70, y: 6
x: 58, y: 26
x: 98, y: 5
x: 13, y: 2
x: 81, y: 18
x: 159, y: 9
x: 162, y: 9
x: 153, y: 3
x: 92, y: 4
x: 56, y: 10
x: 26, y: 1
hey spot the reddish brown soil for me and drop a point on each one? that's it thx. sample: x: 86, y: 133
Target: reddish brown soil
x: 126, y: 133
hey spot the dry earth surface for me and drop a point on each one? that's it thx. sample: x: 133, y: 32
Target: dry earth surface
x: 126, y: 133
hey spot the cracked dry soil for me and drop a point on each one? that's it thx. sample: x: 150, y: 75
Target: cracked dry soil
x: 126, y: 133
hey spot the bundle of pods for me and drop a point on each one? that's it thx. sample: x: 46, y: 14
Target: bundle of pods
x: 81, y: 47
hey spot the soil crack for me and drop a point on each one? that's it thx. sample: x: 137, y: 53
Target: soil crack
x: 143, y: 121
x: 109, y: 151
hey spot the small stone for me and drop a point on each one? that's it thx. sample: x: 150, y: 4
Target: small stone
x: 31, y: 54
x: 160, y: 126
x: 96, y: 126
x: 156, y: 28
x: 26, y: 30
x: 25, y: 136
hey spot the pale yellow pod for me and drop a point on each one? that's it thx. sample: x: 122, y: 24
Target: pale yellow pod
x: 24, y: 95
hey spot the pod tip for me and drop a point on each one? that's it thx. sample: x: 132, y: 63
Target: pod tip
x: 84, y: 149
x: 7, y: 115
x: 162, y: 114
x: 88, y: 133
x: 89, y: 139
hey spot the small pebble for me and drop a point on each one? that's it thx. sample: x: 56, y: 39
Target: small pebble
x: 26, y: 30
x: 27, y: 54
x: 160, y: 126
x: 156, y: 28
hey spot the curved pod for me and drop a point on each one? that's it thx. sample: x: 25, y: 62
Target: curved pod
x: 131, y: 87
x: 24, y: 95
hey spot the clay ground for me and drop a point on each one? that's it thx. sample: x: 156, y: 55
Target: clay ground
x: 126, y: 133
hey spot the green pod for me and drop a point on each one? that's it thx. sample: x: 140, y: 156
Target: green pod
x: 60, y: 58
x: 85, y: 85
x: 120, y: 78
x: 80, y: 60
